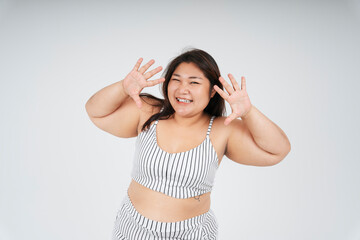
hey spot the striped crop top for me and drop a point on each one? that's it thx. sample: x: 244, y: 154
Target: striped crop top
x: 179, y: 175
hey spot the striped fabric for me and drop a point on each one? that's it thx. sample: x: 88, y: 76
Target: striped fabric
x: 179, y: 175
x: 129, y: 224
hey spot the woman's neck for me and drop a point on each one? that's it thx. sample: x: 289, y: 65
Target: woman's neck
x: 190, y: 121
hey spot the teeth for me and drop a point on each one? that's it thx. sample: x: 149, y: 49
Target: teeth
x: 183, y: 100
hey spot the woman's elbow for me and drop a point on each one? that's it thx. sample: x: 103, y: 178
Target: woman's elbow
x: 279, y: 157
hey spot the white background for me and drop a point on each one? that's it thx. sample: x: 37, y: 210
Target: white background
x: 61, y: 177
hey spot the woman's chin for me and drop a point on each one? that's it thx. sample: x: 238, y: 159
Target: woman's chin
x: 183, y: 112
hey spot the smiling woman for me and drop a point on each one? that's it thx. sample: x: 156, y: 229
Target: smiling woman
x: 187, y: 96
x: 181, y: 141
x: 195, y: 64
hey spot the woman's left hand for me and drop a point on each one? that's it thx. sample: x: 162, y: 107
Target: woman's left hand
x: 237, y: 98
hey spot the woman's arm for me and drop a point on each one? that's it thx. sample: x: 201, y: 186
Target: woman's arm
x: 266, y: 134
x: 106, y: 100
x: 113, y: 111
x: 117, y: 108
x: 254, y: 140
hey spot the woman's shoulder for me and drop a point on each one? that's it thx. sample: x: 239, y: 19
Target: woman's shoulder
x: 221, y: 128
x: 220, y: 133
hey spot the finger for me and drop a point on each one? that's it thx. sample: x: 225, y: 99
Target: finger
x: 137, y: 100
x: 231, y: 117
x: 226, y: 85
x: 243, y: 83
x: 221, y: 92
x: 146, y: 66
x: 234, y: 82
x: 154, y: 82
x: 152, y: 72
x: 137, y: 65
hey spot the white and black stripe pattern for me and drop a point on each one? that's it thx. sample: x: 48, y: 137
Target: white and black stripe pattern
x: 131, y: 225
x: 179, y: 175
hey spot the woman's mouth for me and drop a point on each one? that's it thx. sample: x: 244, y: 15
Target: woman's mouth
x: 183, y: 100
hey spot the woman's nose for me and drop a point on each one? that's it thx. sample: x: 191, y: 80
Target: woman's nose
x: 183, y: 88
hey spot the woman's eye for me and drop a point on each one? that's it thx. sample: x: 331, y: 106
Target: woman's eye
x: 194, y: 83
x: 175, y: 79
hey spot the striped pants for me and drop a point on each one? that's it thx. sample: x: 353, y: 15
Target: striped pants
x: 131, y: 225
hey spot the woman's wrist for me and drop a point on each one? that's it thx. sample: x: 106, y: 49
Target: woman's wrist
x: 247, y: 114
x: 122, y: 88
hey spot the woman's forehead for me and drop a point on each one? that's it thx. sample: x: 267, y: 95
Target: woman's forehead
x: 188, y: 70
x: 190, y: 77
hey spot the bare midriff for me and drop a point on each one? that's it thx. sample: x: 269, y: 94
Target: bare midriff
x: 163, y: 208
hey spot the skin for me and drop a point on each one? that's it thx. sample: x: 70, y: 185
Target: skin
x: 252, y: 140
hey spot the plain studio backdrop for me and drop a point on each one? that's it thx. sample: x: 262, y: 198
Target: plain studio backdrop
x: 61, y: 177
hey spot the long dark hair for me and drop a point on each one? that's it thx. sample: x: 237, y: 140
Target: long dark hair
x: 207, y: 64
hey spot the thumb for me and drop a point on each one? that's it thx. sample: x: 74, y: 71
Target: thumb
x: 137, y: 100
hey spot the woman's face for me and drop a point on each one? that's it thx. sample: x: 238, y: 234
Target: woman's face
x: 188, y: 90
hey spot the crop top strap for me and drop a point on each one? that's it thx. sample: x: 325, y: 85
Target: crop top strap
x: 210, y: 125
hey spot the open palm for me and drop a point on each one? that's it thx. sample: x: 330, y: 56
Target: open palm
x: 237, y: 97
x: 137, y: 79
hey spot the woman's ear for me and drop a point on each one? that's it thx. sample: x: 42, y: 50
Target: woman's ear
x: 213, y: 91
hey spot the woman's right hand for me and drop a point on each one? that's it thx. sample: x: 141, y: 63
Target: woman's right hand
x: 136, y: 80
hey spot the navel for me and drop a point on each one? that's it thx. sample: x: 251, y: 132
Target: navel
x: 197, y: 197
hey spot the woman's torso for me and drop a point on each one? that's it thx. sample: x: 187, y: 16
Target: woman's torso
x: 159, y: 206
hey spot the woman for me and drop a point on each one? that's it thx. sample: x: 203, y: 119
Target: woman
x: 181, y: 141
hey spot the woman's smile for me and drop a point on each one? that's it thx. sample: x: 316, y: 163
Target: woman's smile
x: 183, y: 100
